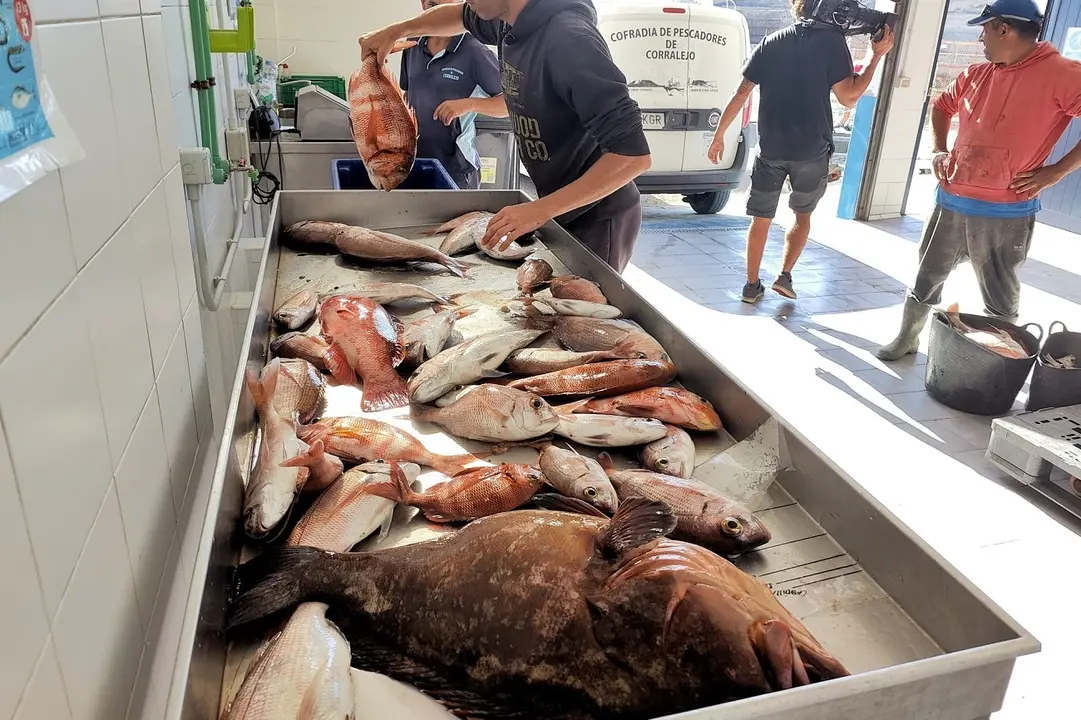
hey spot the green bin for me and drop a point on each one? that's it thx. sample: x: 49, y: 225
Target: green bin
x: 288, y: 88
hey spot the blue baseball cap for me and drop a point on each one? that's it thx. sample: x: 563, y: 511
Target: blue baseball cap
x: 1024, y: 10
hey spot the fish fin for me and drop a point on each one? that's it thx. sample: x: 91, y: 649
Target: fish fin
x: 384, y: 394
x: 384, y: 529
x: 605, y: 461
x: 455, y: 266
x: 493, y: 373
x: 308, y: 703
x: 776, y: 649
x: 637, y: 521
x: 423, y: 413
x: 571, y: 407
x: 561, y: 503
x: 819, y: 662
x: 536, y: 444
x: 279, y: 587
x: 339, y: 366
x: 399, y: 345
x: 302, y: 479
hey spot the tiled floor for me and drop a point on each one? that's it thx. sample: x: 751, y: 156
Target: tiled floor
x: 812, y: 361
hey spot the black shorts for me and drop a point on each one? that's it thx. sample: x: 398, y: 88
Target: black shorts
x: 809, y: 180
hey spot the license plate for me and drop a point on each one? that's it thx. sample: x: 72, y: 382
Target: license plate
x: 653, y: 121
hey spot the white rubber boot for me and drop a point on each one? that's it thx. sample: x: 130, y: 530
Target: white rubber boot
x: 908, y: 341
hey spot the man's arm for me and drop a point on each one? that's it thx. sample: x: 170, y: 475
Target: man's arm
x: 1068, y: 95
x: 451, y: 110
x: 849, y: 91
x: 440, y: 21
x: 731, y: 112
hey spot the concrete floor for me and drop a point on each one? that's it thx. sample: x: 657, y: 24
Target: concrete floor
x: 811, y: 360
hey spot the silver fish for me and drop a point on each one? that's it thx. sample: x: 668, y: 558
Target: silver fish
x: 533, y: 307
x: 389, y: 293
x: 493, y: 413
x: 463, y: 231
x: 466, y: 363
x: 578, y: 477
x: 347, y: 512
x: 272, y: 487
x: 609, y: 430
x: 673, y: 454
x: 297, y: 311
x: 473, y: 230
x: 537, y: 361
x: 426, y: 338
x: 302, y: 672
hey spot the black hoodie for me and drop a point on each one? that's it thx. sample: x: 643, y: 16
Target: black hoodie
x: 568, y: 101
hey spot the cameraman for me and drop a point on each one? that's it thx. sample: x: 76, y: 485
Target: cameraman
x: 797, y: 68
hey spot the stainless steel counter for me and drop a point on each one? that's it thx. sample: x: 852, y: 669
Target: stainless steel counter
x: 921, y: 641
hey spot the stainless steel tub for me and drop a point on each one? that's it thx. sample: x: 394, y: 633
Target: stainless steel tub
x: 921, y: 640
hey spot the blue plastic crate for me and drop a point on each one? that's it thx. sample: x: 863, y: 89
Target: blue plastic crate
x: 427, y: 174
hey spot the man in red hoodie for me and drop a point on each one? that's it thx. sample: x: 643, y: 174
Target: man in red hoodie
x: 1012, y: 111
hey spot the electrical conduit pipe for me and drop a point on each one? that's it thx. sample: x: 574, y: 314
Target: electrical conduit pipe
x: 208, y: 124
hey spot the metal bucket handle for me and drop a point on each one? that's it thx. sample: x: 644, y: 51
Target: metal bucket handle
x: 1051, y: 328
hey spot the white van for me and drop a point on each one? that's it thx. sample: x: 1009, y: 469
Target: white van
x: 683, y: 60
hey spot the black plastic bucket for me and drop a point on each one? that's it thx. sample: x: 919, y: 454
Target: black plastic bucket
x: 967, y: 376
x: 1051, y: 386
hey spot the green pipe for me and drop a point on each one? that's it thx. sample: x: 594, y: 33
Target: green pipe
x: 251, y: 66
x: 208, y: 123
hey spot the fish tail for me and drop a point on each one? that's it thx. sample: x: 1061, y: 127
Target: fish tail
x: 451, y: 465
x: 272, y: 582
x: 398, y: 489
x: 310, y: 458
x: 384, y: 393
x: 423, y: 413
x: 262, y: 389
x: 455, y: 266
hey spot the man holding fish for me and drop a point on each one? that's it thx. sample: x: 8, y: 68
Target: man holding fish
x: 579, y: 132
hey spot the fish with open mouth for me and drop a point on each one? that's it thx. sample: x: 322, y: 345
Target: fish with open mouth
x: 297, y: 311
x: 365, y: 341
x: 425, y: 338
x: 535, y: 272
x: 298, y: 345
x: 373, y: 245
x: 578, y: 476
x: 492, y: 413
x: 672, y: 405
x: 608, y: 377
x: 466, y: 363
x: 272, y: 488
x: 347, y: 512
x: 703, y: 515
x: 300, y: 392
x: 383, y: 125
x: 572, y: 287
x: 672, y: 455
x: 474, y: 493
x: 538, y: 361
x: 302, y: 672
x: 359, y: 440
x: 584, y: 334
x: 324, y: 468
x: 669, y: 626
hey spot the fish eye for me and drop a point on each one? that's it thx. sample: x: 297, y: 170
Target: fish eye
x: 732, y: 526
x: 590, y: 492
x: 537, y: 403
x: 663, y: 462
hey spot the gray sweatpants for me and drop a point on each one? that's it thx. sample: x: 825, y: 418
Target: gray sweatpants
x: 997, y: 248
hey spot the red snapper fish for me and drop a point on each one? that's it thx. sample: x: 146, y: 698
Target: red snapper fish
x: 365, y: 340
x: 384, y: 127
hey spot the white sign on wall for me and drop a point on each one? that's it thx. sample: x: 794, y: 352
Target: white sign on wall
x: 1072, y: 47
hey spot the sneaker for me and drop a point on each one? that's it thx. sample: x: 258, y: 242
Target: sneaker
x: 783, y: 286
x: 753, y: 292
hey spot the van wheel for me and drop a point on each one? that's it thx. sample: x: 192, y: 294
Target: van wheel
x: 709, y: 203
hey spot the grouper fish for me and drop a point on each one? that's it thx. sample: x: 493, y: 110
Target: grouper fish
x: 551, y: 614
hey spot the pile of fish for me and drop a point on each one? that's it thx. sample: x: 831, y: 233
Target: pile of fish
x: 1066, y: 362
x: 572, y: 588
x: 994, y: 339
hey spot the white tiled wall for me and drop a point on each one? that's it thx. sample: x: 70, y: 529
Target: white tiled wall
x: 921, y: 34
x: 324, y: 32
x: 110, y: 370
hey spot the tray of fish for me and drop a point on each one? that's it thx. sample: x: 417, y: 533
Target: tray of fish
x: 499, y: 484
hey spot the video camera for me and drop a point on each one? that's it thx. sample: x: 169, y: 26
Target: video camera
x: 849, y: 16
